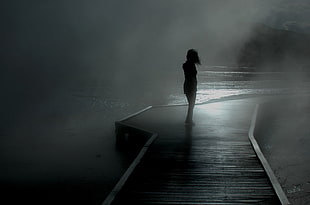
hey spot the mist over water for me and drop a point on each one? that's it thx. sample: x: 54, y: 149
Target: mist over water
x: 69, y: 69
x: 127, y: 48
x: 225, y: 82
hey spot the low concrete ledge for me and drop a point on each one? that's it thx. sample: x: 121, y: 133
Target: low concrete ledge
x: 124, y: 134
x: 273, y: 179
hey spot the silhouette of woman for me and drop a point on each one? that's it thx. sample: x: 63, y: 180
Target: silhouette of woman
x: 190, y: 83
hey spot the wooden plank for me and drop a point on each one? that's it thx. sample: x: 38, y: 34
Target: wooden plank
x: 199, y: 166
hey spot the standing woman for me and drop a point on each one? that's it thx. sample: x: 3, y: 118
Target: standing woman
x: 190, y: 84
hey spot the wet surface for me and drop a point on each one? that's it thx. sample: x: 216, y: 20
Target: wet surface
x: 211, y: 162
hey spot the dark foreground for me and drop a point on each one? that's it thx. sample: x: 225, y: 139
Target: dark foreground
x: 53, y: 161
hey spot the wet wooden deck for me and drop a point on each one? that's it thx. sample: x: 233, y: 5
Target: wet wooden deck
x: 210, y: 163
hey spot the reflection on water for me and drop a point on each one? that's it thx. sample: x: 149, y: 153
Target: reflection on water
x: 236, y: 82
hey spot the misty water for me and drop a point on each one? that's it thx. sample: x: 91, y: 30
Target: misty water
x: 71, y: 140
x: 70, y: 69
x: 224, y: 82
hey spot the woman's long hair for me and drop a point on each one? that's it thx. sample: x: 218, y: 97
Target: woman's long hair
x: 192, y: 56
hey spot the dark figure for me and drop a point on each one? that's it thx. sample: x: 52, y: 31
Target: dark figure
x: 190, y: 84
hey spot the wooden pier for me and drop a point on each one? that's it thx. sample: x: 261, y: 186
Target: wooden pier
x: 212, y: 162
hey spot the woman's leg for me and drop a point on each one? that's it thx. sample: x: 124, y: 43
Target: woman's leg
x: 188, y: 108
x: 191, y: 98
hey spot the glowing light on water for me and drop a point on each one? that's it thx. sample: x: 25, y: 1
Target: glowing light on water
x: 216, y: 85
x: 212, y: 94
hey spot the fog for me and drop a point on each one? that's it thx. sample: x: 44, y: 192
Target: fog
x: 132, y: 49
x: 68, y: 69
x: 117, y: 52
